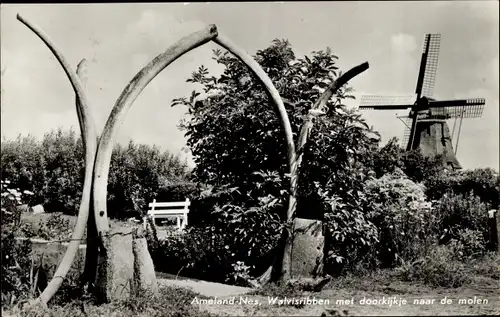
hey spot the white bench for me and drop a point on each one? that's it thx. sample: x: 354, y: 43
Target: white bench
x: 178, y: 209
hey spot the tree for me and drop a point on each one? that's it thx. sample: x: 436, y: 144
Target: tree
x: 235, y: 137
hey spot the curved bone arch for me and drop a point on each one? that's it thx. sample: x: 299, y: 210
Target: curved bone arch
x: 100, y: 167
x: 89, y: 137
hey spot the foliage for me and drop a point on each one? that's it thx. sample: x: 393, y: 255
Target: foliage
x: 482, y: 182
x: 457, y: 213
x: 136, y: 174
x: 414, y: 164
x: 53, y: 169
x: 241, y: 274
x: 239, y: 148
x: 438, y: 269
x: 209, y: 251
x: 56, y: 227
x: 404, y: 218
x: 388, y: 158
x: 15, y: 253
x: 469, y: 244
x: 178, y: 191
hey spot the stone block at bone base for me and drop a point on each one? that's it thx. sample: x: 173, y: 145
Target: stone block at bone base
x: 307, y: 249
x: 126, y: 267
x: 24, y: 208
x: 38, y: 209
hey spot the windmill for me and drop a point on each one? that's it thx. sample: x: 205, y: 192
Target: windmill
x: 426, y: 124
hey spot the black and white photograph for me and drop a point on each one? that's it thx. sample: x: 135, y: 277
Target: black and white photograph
x: 293, y: 158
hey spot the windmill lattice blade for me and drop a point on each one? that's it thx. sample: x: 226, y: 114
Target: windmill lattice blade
x: 468, y: 108
x: 406, y: 133
x: 380, y: 102
x: 433, y: 41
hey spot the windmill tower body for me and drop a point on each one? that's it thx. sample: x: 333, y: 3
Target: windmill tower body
x: 433, y: 137
x: 426, y: 124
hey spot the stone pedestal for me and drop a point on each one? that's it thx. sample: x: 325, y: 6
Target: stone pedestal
x: 494, y: 223
x: 307, y: 249
x: 144, y: 281
x: 125, y: 266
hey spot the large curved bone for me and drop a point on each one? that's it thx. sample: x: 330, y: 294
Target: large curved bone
x: 285, y: 124
x: 305, y: 130
x: 123, y: 104
x: 89, y: 137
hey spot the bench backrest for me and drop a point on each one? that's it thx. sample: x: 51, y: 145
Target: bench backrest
x: 179, y: 209
x: 176, y: 207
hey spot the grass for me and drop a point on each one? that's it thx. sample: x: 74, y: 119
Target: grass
x: 171, y: 302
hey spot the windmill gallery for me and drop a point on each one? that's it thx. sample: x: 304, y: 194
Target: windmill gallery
x: 426, y: 124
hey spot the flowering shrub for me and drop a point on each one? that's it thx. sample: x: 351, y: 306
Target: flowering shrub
x: 459, y: 212
x: 468, y: 244
x: 53, y: 168
x: 209, y: 251
x: 404, y: 218
x: 15, y: 253
x: 240, y: 274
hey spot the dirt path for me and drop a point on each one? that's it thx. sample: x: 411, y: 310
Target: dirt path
x: 394, y: 299
x: 343, y: 302
x: 203, y: 287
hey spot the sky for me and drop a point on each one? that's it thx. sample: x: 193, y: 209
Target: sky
x: 119, y: 39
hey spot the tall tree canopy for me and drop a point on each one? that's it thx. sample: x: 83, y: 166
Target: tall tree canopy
x: 235, y: 136
x: 239, y: 148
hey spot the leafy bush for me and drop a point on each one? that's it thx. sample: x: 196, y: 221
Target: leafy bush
x: 468, y: 244
x: 438, y: 269
x: 211, y: 251
x: 233, y: 110
x: 178, y: 191
x: 56, y: 227
x: 53, y: 169
x: 137, y: 172
x: 16, y: 254
x: 461, y: 216
x: 404, y: 219
x: 483, y: 183
x: 349, y: 237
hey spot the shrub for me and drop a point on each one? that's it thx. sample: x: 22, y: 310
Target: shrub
x: 483, y: 183
x: 178, y: 191
x: 56, y: 227
x: 211, y: 250
x: 348, y: 238
x: 468, y: 244
x: 15, y: 253
x: 62, y: 153
x: 137, y: 173
x: 456, y: 213
x: 53, y: 169
x: 438, y: 269
x: 404, y: 219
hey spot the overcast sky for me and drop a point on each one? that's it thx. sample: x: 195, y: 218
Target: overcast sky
x: 119, y: 39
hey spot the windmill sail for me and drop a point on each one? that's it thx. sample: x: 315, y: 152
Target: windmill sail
x: 465, y: 108
x: 380, y: 102
x: 432, y: 42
